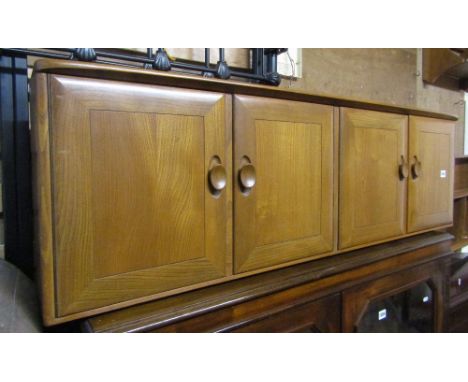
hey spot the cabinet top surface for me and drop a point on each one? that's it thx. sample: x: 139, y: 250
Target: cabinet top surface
x: 149, y: 76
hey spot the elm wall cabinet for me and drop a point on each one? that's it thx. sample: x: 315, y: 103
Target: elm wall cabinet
x: 150, y: 184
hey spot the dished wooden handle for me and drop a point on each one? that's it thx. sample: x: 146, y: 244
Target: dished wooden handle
x: 403, y: 170
x: 416, y: 168
x: 247, y: 176
x: 217, y: 177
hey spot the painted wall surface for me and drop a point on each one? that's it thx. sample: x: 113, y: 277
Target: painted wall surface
x: 391, y: 76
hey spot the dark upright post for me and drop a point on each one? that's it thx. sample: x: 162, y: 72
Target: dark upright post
x: 16, y: 162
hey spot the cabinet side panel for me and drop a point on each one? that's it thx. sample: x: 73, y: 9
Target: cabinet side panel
x: 43, y: 241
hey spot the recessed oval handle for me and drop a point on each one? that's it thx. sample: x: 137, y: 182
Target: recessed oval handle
x: 218, y: 177
x: 403, y: 170
x: 247, y: 176
x: 416, y: 168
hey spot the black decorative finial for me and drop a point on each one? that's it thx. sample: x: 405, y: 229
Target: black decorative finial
x: 273, y: 78
x: 161, y: 60
x: 85, y: 54
x: 222, y: 70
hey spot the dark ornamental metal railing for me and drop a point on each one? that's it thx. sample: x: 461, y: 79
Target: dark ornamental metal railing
x: 263, y: 66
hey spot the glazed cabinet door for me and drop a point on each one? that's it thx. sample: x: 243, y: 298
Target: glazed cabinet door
x: 409, y: 301
x: 373, y: 176
x: 283, y: 197
x: 140, y: 190
x: 431, y: 156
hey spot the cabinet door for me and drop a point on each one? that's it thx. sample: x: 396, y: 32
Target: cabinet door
x: 133, y: 211
x: 283, y: 181
x: 408, y: 301
x: 372, y: 192
x: 430, y: 194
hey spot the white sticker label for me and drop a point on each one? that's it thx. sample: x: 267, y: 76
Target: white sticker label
x: 425, y: 298
x: 382, y: 314
x: 443, y: 173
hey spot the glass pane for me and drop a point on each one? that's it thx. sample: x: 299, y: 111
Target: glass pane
x: 411, y: 311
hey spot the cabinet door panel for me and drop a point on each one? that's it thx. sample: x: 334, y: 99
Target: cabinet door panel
x: 407, y: 301
x: 372, y: 194
x: 430, y: 194
x: 133, y: 213
x: 287, y: 215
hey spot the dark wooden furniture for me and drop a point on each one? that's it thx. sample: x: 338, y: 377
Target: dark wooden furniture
x: 460, y: 195
x: 458, y: 292
x: 327, y: 295
x: 458, y: 281
x: 149, y: 184
x: 400, y: 302
x: 446, y: 67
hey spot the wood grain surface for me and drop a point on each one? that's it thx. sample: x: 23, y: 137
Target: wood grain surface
x: 288, y: 214
x: 430, y: 195
x: 372, y: 194
x: 132, y: 210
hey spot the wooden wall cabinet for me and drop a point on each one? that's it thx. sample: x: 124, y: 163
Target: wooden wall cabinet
x: 148, y: 185
x: 372, y: 193
x: 396, y: 175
